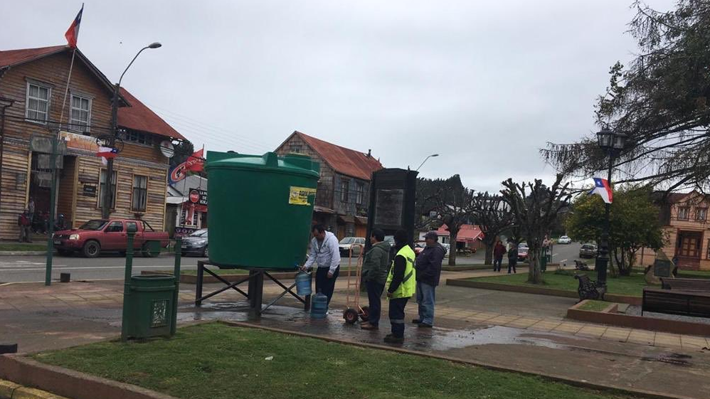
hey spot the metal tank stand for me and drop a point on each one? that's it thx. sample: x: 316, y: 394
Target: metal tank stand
x: 255, y: 290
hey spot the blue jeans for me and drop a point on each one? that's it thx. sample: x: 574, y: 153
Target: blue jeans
x: 426, y: 295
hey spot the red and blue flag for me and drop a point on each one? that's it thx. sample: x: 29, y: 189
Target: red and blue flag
x: 603, y: 189
x: 72, y: 34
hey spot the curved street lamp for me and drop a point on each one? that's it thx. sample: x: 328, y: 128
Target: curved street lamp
x: 426, y: 159
x: 107, y: 192
x: 612, y: 143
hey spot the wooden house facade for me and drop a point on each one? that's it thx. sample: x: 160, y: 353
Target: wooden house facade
x: 37, y: 103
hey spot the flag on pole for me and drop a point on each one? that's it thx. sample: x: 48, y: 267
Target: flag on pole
x: 602, y: 188
x: 105, y: 153
x: 196, y: 161
x: 72, y: 34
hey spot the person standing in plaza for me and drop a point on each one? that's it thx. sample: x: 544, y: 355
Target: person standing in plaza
x: 401, y: 283
x: 325, y: 254
x: 512, y: 257
x: 428, y: 275
x: 24, y: 222
x: 498, y: 253
x: 375, y: 267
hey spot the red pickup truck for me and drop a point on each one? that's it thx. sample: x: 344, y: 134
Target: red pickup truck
x: 96, y: 236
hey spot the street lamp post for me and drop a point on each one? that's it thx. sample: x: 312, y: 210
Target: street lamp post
x: 108, y: 184
x: 426, y: 159
x: 612, y: 143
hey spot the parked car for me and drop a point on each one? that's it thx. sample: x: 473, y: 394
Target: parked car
x: 564, y: 240
x: 357, y: 244
x: 588, y: 251
x: 101, y: 235
x: 196, y: 244
x: 523, y: 252
x: 390, y: 239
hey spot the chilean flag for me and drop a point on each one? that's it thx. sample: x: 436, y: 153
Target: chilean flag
x: 602, y: 188
x: 72, y: 34
x: 105, y: 153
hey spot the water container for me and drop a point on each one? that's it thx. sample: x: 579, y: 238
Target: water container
x: 303, y: 284
x: 319, y: 307
x: 261, y: 208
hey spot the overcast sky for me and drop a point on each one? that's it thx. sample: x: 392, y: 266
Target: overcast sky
x: 483, y: 83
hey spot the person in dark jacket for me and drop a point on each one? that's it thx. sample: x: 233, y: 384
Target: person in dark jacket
x: 498, y: 253
x: 375, y: 267
x: 401, y: 282
x: 512, y: 258
x: 428, y: 274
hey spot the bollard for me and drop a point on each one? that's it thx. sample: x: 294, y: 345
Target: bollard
x: 127, y: 285
x: 176, y: 273
x: 64, y: 277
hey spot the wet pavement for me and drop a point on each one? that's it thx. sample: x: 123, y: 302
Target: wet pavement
x: 507, y: 330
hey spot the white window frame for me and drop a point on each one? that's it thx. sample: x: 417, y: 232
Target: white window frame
x: 704, y: 211
x: 28, y: 98
x: 73, y: 125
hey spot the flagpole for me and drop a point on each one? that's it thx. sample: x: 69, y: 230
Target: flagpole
x: 66, y: 90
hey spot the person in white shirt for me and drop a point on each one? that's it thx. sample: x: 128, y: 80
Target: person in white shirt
x: 325, y: 254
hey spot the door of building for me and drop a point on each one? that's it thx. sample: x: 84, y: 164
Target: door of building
x: 688, y: 249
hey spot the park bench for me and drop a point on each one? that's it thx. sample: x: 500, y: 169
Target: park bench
x: 588, y: 288
x: 675, y: 301
x: 685, y: 284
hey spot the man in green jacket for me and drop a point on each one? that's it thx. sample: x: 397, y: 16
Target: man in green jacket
x: 375, y: 268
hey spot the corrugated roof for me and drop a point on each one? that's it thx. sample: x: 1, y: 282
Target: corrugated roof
x: 468, y: 232
x: 10, y: 58
x: 134, y: 116
x: 343, y: 160
x: 137, y: 116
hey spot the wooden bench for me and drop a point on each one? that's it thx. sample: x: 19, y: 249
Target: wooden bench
x: 675, y: 301
x: 685, y: 284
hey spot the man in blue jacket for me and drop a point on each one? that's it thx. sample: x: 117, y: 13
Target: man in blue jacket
x: 428, y: 275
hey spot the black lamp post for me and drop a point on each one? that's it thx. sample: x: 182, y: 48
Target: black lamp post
x: 108, y: 186
x: 612, y: 143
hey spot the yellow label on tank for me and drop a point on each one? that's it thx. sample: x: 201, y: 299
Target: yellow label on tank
x: 299, y: 195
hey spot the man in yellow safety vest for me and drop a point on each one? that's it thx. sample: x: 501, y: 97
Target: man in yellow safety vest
x: 402, y: 285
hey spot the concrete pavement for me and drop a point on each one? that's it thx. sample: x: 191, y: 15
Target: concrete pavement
x: 519, y: 331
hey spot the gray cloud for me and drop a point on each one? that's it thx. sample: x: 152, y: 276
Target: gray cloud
x: 485, y: 84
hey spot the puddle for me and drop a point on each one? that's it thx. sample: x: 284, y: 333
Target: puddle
x: 676, y: 359
x: 446, y: 339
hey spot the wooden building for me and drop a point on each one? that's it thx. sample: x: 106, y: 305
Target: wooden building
x: 33, y: 83
x: 343, y: 190
x: 685, y: 220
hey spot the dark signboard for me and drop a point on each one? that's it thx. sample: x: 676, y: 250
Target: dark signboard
x: 662, y: 268
x: 388, y: 207
x: 89, y: 190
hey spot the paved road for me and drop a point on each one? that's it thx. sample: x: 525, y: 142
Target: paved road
x: 32, y: 268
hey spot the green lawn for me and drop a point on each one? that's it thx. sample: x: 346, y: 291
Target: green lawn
x: 215, y: 361
x: 631, y: 285
x: 35, y: 246
x: 693, y: 273
x: 594, y: 306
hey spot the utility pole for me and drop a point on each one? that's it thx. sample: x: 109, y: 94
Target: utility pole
x: 52, y: 202
x: 108, y: 187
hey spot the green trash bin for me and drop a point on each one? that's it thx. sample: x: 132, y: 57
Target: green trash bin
x: 543, y: 261
x: 150, y: 307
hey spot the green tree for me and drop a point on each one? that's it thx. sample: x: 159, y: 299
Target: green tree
x: 634, y: 224
x: 535, y: 208
x: 183, y: 149
x: 660, y: 101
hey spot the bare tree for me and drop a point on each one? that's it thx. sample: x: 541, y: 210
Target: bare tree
x: 453, y: 206
x: 535, y: 208
x: 493, y: 216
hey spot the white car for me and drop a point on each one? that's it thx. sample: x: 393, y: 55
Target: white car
x: 564, y: 240
x: 354, y: 244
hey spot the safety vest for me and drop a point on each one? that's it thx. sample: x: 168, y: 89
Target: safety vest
x: 409, y: 284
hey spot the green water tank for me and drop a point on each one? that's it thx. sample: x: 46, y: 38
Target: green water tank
x: 260, y: 209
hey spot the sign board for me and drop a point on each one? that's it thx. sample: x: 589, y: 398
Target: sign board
x: 388, y: 207
x: 167, y: 149
x: 79, y: 141
x: 184, y: 231
x: 43, y: 144
x: 198, y: 196
x: 89, y: 190
x: 299, y: 195
x: 662, y: 268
